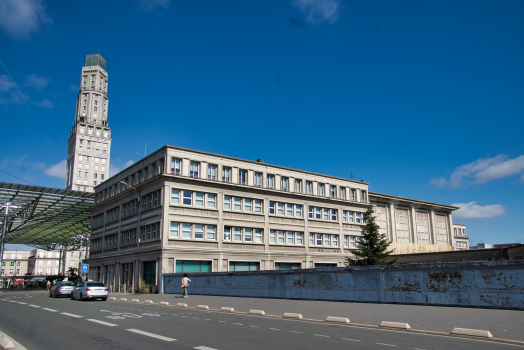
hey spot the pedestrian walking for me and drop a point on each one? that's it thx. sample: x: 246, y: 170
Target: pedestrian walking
x: 48, y: 285
x: 185, y: 284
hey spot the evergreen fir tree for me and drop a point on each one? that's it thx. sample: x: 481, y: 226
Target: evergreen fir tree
x: 373, y: 245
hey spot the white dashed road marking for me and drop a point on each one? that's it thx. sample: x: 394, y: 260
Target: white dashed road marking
x: 351, y: 339
x: 34, y: 305
x: 203, y: 348
x: 296, y: 332
x: 385, y: 344
x: 238, y: 324
x: 320, y: 335
x: 274, y: 329
x: 22, y: 303
x: 255, y: 326
x: 52, y: 310
x: 150, y: 334
x: 102, y: 322
x: 72, y: 315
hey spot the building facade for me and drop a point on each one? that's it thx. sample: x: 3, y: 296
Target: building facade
x: 44, y: 263
x: 90, y: 138
x: 15, y: 264
x: 180, y: 210
x: 461, y: 236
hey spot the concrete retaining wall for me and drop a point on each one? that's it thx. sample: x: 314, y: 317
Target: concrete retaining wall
x: 488, y: 285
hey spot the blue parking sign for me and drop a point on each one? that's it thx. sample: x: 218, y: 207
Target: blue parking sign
x: 85, y: 268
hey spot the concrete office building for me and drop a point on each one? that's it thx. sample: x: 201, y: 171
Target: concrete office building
x: 14, y: 264
x: 180, y: 210
x: 90, y: 138
x: 43, y: 262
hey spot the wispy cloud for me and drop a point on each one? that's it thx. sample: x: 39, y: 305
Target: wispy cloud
x: 37, y: 81
x: 20, y: 19
x: 57, y: 170
x: 6, y: 84
x: 74, y: 87
x: 116, y: 167
x: 45, y: 103
x: 9, y: 94
x: 319, y: 11
x: 472, y: 210
x: 482, y: 170
x: 152, y: 5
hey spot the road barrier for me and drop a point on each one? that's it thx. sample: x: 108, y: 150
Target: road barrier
x: 228, y: 309
x: 257, y: 312
x: 473, y: 332
x: 337, y: 319
x: 292, y: 315
x: 395, y: 325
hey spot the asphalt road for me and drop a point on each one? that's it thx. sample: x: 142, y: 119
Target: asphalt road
x: 39, y: 322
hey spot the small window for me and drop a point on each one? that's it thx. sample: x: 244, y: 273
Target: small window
x: 258, y: 206
x: 258, y: 179
x: 175, y: 196
x: 211, y: 200
x: 212, y: 172
x: 258, y: 235
x: 227, y: 233
x: 199, y: 231
x: 175, y: 166
x: 187, y: 198
x: 226, y: 174
x: 309, y: 187
x: 199, y: 199
x: 237, y: 234
x: 242, y: 177
x: 186, y: 230
x: 284, y: 184
x: 321, y: 190
x: 248, y: 204
x: 271, y: 207
x: 210, y: 232
x: 270, y: 181
x: 298, y: 186
x: 237, y: 203
x: 194, y: 169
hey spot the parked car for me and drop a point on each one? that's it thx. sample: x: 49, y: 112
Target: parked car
x: 90, y: 290
x: 61, y: 288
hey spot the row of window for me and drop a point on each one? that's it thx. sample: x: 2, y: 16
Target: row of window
x: 243, y: 204
x: 212, y: 174
x: 193, y: 198
x: 87, y: 159
x: 129, y: 237
x: 151, y: 200
x: 111, y: 241
x: 285, y: 209
x: 96, y: 244
x: 150, y: 231
x: 318, y: 213
x: 112, y: 215
x: 192, y: 231
x: 130, y: 208
x: 12, y: 263
x: 461, y: 244
x: 460, y: 232
x: 356, y: 217
x: 205, y: 266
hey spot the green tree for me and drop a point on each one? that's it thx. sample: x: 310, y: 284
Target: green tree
x: 374, y: 246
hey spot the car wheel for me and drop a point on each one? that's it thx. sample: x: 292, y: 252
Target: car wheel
x: 71, y: 296
x: 81, y: 297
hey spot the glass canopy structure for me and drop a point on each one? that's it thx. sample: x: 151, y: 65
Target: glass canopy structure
x: 40, y: 216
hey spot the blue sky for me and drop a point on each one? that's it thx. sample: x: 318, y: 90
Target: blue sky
x: 424, y: 99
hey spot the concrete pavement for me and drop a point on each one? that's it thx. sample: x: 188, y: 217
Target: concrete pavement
x: 40, y: 322
x: 505, y: 324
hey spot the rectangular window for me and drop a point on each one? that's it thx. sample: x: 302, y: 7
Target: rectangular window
x: 290, y: 238
x: 321, y: 189
x: 353, y: 194
x: 280, y: 237
x: 187, y: 200
x: 298, y: 186
x: 258, y: 235
x: 318, y: 213
x: 271, y: 207
x: 310, y: 211
x: 327, y: 240
x: 298, y: 211
x: 326, y: 214
x: 309, y: 187
x: 211, y: 200
x: 319, y: 238
x: 199, y: 199
x: 248, y: 204
x: 227, y: 233
x: 258, y: 206
x: 226, y: 174
x: 243, y: 266
x: 258, y: 179
x: 199, y: 231
x: 289, y: 209
x: 186, y: 230
x: 227, y: 202
x: 242, y: 177
x: 357, y: 218
x: 193, y: 266
x: 363, y: 197
x: 211, y: 172
x: 194, y: 168
x: 237, y: 234
x: 334, y: 240
x: 270, y: 181
x: 175, y: 166
x: 346, y: 241
x: 287, y: 266
x: 210, y: 232
x: 237, y: 203
x: 350, y: 216
x: 334, y: 214
x: 333, y: 191
x: 300, y: 238
x: 284, y: 184
x: 272, y: 236
x: 280, y: 208
x: 342, y: 192
x: 248, y: 235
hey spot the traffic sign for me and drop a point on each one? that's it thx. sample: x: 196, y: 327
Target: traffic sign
x: 85, y: 268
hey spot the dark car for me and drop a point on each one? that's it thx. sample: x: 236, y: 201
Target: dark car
x: 61, y: 288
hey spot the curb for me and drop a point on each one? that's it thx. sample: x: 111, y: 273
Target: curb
x: 292, y: 315
x: 337, y: 319
x: 228, y: 309
x: 394, y: 325
x: 257, y: 312
x: 472, y: 332
x: 6, y: 343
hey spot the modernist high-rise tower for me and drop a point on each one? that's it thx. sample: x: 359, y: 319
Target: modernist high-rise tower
x: 90, y: 138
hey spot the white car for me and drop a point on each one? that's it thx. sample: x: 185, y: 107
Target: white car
x: 90, y: 290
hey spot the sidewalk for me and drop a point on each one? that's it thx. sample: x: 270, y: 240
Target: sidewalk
x: 505, y: 324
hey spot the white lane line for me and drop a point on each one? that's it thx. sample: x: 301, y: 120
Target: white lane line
x: 22, y: 303
x: 33, y: 305
x: 296, y: 332
x: 203, y: 348
x: 150, y: 334
x: 418, y: 349
x: 238, y: 324
x: 183, y: 316
x: 254, y: 326
x: 102, y: 322
x: 72, y: 315
x: 385, y: 344
x: 351, y: 339
x: 196, y: 317
x: 222, y: 321
x: 52, y: 310
x: 207, y: 319
x: 274, y: 329
x: 320, y: 335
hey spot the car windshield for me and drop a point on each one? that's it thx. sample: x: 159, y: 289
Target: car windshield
x: 96, y: 284
x: 67, y: 283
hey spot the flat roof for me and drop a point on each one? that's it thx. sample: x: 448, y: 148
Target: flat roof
x: 44, y: 215
x: 412, y: 200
